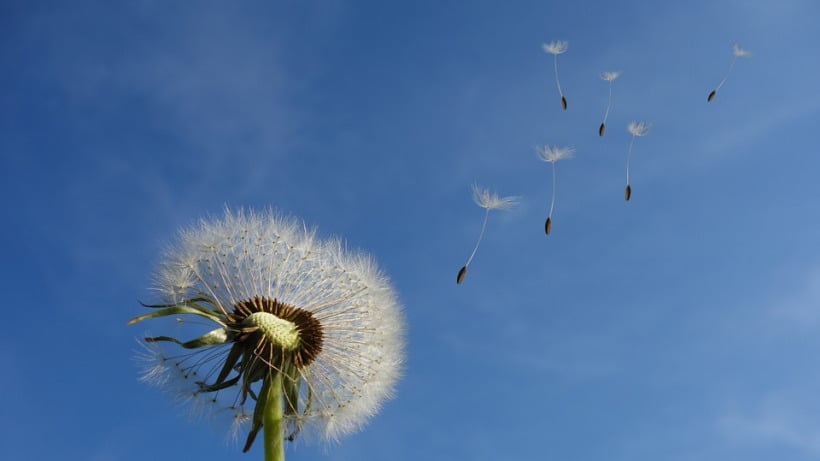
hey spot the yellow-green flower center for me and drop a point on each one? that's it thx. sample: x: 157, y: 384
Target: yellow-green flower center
x: 278, y: 331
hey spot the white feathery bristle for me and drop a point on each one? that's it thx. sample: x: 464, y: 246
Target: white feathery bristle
x: 609, y: 76
x: 556, y: 47
x: 740, y: 52
x: 638, y: 128
x: 554, y: 153
x: 248, y: 254
x: 491, y: 201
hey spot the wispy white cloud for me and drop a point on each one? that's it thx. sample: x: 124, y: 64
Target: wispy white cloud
x: 214, y: 85
x: 779, y: 419
x: 788, y: 417
x: 538, y: 350
x: 573, y: 359
x: 760, y: 125
x: 202, y: 72
x: 799, y: 310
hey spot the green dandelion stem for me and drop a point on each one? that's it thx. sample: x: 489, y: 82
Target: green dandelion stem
x: 272, y: 425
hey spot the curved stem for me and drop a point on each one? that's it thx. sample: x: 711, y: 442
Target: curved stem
x: 609, y: 102
x: 480, y: 236
x: 552, y: 203
x: 728, y: 72
x: 628, y: 157
x: 272, y: 425
x: 557, y: 82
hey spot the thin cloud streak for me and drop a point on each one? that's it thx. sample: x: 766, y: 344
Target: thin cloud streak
x: 786, y: 420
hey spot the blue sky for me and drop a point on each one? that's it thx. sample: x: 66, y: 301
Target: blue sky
x: 681, y: 325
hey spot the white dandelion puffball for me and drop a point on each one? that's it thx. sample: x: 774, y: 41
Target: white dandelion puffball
x: 287, y: 310
x: 636, y: 128
x: 489, y: 200
x: 556, y: 47
x: 609, y: 76
x: 740, y: 52
x: 553, y: 154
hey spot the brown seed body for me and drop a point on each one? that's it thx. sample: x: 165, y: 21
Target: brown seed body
x: 711, y: 96
x: 627, y: 192
x: 564, y: 102
x: 548, y: 226
x: 601, y: 129
x: 461, y: 275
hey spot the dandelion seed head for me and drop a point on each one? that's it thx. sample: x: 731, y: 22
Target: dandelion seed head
x: 638, y: 128
x: 265, y: 279
x: 556, y: 47
x: 491, y: 201
x: 740, y: 52
x: 554, y: 153
x: 609, y: 76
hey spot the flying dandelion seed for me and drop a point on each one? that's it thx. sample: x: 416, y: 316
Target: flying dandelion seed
x: 737, y: 52
x: 609, y: 77
x: 308, y: 336
x: 553, y: 155
x: 555, y: 48
x: 489, y: 201
x: 636, y: 129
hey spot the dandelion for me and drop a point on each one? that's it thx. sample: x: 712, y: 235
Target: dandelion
x: 489, y: 201
x: 555, y: 48
x: 636, y: 129
x: 609, y: 77
x: 305, y: 335
x: 553, y: 155
x: 737, y: 52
